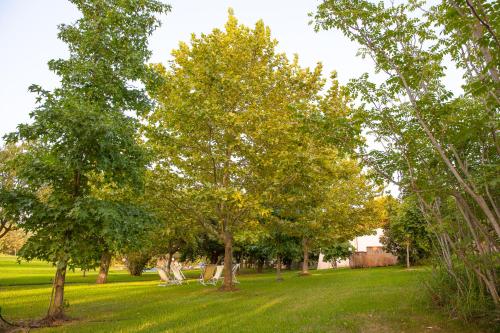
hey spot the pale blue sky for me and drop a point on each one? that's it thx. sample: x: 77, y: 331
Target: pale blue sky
x: 28, y: 37
x: 28, y: 30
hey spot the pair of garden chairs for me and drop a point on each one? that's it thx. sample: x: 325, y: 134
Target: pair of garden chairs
x: 212, y: 274
x: 176, y: 277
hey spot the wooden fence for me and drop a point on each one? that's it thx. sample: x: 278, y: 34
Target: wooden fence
x: 373, y: 257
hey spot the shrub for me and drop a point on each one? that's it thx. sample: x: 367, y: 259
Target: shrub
x: 458, y: 291
x: 137, y: 261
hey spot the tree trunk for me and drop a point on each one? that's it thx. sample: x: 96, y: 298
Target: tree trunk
x: 102, y: 277
x: 214, y: 258
x: 228, y: 262
x: 260, y: 266
x: 56, y: 307
x: 278, y: 269
x: 305, y: 263
x: 169, y: 262
x: 407, y: 254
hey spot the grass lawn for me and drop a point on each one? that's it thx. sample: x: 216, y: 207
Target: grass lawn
x: 363, y: 300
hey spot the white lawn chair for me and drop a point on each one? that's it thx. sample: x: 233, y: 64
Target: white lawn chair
x: 207, y: 273
x: 177, y: 275
x: 163, y: 277
x: 234, y: 271
x: 217, y: 276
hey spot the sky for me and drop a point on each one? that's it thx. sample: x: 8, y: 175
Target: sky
x: 28, y: 40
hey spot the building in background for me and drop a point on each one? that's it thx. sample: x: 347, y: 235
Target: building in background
x: 369, y: 252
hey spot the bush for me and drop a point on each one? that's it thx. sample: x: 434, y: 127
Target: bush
x: 459, y: 292
x: 136, y: 262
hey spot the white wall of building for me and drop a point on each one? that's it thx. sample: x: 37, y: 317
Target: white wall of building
x: 360, y: 243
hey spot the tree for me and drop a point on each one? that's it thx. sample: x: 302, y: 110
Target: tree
x: 314, y: 187
x: 441, y: 148
x: 81, y: 138
x: 337, y: 251
x: 226, y: 101
x: 406, y: 234
x: 9, y: 184
x: 130, y: 216
x: 175, y: 230
x: 282, y: 245
x: 334, y: 204
x: 206, y: 246
x: 13, y: 241
x: 255, y: 247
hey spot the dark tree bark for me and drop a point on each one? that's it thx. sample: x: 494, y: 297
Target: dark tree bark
x: 260, y: 266
x: 169, y: 261
x: 288, y: 263
x: 5, y: 227
x: 214, y: 258
x: 305, y: 263
x: 56, y: 307
x: 228, y: 262
x: 102, y: 277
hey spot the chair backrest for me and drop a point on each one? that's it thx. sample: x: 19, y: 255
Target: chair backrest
x: 208, y: 272
x: 218, y: 271
x: 177, y: 273
x: 235, y: 268
x: 163, y: 274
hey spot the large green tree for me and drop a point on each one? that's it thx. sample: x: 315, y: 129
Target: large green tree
x: 309, y: 177
x: 82, y: 138
x: 324, y: 198
x: 234, y: 117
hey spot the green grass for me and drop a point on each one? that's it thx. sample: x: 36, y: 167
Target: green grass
x: 363, y: 300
